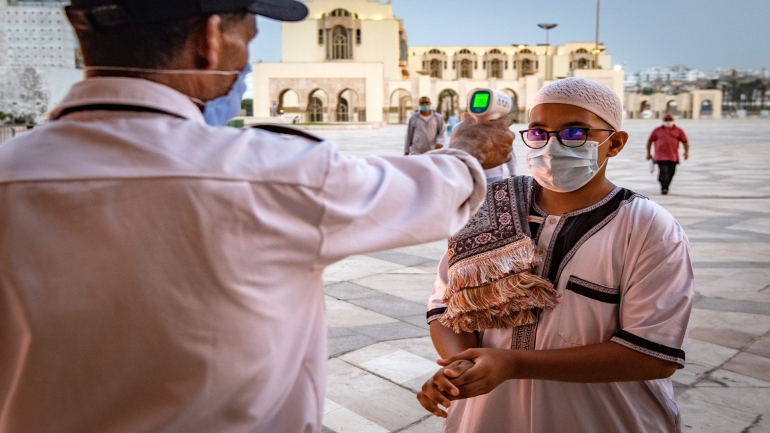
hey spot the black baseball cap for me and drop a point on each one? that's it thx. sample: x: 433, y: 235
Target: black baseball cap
x: 116, y: 13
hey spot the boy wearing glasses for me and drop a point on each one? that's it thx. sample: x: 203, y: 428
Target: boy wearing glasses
x: 601, y: 359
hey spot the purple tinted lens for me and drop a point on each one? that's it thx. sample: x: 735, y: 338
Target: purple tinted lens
x: 537, y: 135
x: 573, y: 134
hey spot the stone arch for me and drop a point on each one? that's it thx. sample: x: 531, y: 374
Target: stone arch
x: 435, y: 68
x: 318, y: 101
x: 347, y: 106
x: 645, y: 106
x: 495, y: 51
x: 340, y: 13
x: 400, y: 106
x: 706, y: 108
x: 581, y: 51
x: 495, y: 68
x: 672, y: 108
x: 466, y: 68
x: 448, y: 103
x: 288, y: 103
x: 435, y: 51
x: 464, y: 51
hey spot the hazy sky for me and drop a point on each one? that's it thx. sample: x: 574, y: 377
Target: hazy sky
x: 702, y: 34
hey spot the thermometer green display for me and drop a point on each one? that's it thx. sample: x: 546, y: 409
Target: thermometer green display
x: 489, y: 104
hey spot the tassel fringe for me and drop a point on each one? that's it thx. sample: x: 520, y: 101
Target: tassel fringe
x: 484, y: 268
x: 496, y: 289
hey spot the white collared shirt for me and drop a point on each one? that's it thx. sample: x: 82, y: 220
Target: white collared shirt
x: 161, y: 275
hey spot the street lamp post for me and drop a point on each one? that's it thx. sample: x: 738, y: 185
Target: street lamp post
x: 596, y: 47
x: 547, y: 27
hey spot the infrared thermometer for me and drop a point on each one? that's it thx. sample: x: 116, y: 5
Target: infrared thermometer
x: 489, y: 104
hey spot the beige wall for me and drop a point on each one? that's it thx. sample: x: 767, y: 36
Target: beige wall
x: 688, y: 104
x: 367, y: 79
x: 379, y: 35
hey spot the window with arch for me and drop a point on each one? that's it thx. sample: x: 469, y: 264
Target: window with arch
x: 495, y: 51
x: 340, y: 45
x: 464, y: 51
x: 581, y: 51
x: 316, y: 110
x: 525, y: 51
x: 435, y: 51
x: 583, y: 64
x: 495, y: 71
x: 435, y: 68
x: 466, y: 68
x: 340, y: 13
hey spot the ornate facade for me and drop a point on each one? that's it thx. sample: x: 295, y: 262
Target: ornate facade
x: 350, y: 61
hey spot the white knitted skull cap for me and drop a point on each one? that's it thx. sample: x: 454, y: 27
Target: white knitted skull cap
x: 587, y: 94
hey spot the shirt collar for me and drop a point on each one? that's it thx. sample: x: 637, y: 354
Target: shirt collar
x: 128, y: 91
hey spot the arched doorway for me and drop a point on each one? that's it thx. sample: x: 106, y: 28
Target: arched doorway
x: 672, y: 108
x: 435, y: 68
x: 400, y: 106
x: 347, y: 106
x: 495, y: 69
x: 448, y: 103
x: 466, y: 68
x: 645, y: 110
x: 706, y: 108
x: 317, y: 103
x: 288, y: 103
x: 340, y: 43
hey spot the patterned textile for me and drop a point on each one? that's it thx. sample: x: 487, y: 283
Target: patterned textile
x: 492, y: 262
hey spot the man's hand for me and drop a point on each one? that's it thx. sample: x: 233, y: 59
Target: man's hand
x: 489, y: 142
x: 649, y: 157
x: 438, y: 390
x: 686, y: 156
x: 491, y: 367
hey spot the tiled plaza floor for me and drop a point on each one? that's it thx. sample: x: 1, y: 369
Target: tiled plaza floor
x: 380, y: 352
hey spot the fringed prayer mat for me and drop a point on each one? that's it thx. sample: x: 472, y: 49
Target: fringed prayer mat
x: 493, y: 281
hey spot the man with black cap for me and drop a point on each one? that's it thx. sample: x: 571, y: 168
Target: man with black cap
x: 162, y: 273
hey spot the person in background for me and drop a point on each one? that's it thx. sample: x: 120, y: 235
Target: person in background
x: 666, y: 139
x: 452, y: 122
x: 426, y: 131
x: 274, y: 109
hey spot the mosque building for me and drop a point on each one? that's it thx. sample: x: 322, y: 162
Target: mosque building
x: 350, y: 61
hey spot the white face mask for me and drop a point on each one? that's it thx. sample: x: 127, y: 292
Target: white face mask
x: 668, y: 124
x: 565, y: 169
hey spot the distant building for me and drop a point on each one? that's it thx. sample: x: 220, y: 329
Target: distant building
x: 38, y: 52
x: 657, y: 74
x: 350, y: 61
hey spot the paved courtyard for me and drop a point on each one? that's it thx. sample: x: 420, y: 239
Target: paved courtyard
x: 380, y: 352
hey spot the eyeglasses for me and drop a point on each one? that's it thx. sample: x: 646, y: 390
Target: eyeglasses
x: 571, y: 137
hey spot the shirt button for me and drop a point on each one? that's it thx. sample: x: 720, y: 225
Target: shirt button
x: 552, y: 220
